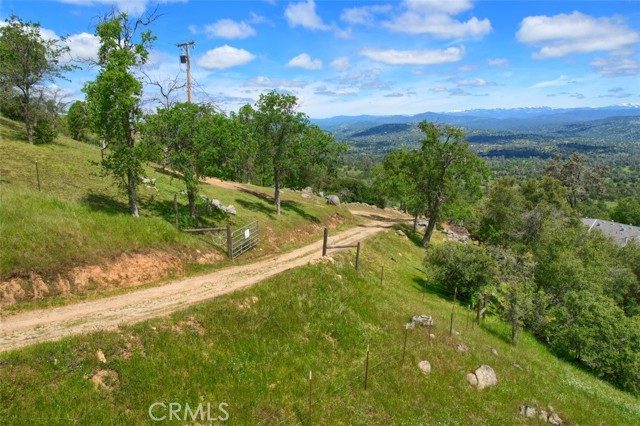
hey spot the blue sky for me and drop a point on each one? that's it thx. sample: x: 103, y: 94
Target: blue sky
x: 362, y: 57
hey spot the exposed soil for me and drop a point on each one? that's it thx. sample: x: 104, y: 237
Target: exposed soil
x: 125, y: 270
x: 36, y: 326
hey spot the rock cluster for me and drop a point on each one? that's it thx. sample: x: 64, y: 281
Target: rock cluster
x: 420, y: 320
x: 230, y: 209
x: 550, y: 416
x: 452, y: 236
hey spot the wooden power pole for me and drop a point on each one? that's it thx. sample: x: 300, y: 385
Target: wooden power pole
x: 187, y: 59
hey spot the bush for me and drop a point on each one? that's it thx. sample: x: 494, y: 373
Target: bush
x: 45, y: 130
x: 465, y: 266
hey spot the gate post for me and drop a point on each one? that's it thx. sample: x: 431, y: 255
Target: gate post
x: 357, y: 255
x: 229, y: 242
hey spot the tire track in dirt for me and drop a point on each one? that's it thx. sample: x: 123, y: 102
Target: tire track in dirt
x: 52, y: 324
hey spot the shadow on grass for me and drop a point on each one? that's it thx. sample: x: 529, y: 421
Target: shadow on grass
x: 491, y: 329
x: 295, y: 207
x: 257, y: 206
x: 105, y: 203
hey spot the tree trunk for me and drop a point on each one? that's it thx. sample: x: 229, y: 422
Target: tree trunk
x: 27, y: 122
x: 415, y: 222
x: 132, y: 193
x: 433, y: 218
x: 276, y: 177
x: 191, y: 195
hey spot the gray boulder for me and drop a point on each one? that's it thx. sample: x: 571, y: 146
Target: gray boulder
x: 485, y: 377
x: 334, y: 200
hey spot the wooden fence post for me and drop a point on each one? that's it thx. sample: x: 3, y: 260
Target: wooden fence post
x: 175, y: 209
x: 357, y: 255
x: 229, y: 242
x: 324, y: 242
x: 453, y: 305
x: 38, y: 175
x: 366, y: 369
x: 404, y: 347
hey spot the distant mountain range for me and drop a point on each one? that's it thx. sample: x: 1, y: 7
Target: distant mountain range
x: 517, y: 119
x: 521, y: 132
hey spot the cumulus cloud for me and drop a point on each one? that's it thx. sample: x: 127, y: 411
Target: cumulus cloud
x: 262, y: 81
x: 230, y: 29
x: 303, y: 60
x: 435, y: 17
x: 304, y: 14
x: 564, y: 34
x: 83, y: 46
x: 568, y: 94
x: 498, y: 62
x: 415, y: 57
x: 224, y: 57
x: 394, y: 95
x: 340, y: 64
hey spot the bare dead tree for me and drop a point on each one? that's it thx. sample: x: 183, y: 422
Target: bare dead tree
x: 166, y: 89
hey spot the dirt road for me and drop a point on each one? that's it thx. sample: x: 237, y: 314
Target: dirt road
x: 107, y: 313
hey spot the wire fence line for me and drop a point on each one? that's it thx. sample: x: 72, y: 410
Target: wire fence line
x: 385, y: 358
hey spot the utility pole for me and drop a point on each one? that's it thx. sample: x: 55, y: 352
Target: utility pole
x: 187, y: 59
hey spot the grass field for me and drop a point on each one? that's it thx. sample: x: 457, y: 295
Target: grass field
x: 254, y: 349
x: 80, y: 217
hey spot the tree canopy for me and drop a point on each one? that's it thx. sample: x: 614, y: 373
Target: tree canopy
x: 27, y: 62
x: 113, y: 98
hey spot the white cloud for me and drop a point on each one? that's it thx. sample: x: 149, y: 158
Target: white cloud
x: 83, y: 46
x: 564, y: 34
x: 304, y: 61
x: 499, y: 62
x: 617, y: 65
x: 363, y: 15
x: 434, y: 17
x: 341, y: 63
x: 415, y: 57
x: 451, y: 7
x: 228, y: 28
x: 324, y: 91
x: 474, y: 82
x: 224, y: 57
x: 439, y: 25
x: 560, y: 81
x: 262, y: 81
x: 304, y: 14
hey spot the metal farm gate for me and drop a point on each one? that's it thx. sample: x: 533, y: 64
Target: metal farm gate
x: 243, y: 239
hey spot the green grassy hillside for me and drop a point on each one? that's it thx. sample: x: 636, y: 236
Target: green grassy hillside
x: 80, y: 217
x: 254, y: 349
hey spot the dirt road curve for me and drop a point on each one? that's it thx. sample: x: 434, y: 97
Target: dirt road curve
x: 55, y: 323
